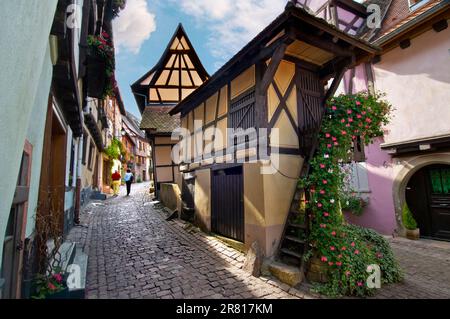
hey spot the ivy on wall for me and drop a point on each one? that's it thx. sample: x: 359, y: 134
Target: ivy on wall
x: 345, y: 250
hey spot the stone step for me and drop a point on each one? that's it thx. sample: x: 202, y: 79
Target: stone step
x: 295, y: 239
x: 290, y: 253
x: 288, y: 274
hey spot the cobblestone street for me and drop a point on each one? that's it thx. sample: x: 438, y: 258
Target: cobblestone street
x: 135, y: 253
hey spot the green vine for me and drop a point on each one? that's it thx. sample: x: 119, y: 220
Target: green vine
x: 115, y: 150
x: 346, y: 250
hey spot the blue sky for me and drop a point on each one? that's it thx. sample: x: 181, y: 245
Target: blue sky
x: 216, y: 28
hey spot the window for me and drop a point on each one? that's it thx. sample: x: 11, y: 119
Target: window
x: 415, y: 4
x: 358, y: 180
x: 85, y: 143
x: 242, y: 111
x: 91, y: 153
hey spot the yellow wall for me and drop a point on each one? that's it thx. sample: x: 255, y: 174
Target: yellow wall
x: 243, y: 82
x: 202, y: 198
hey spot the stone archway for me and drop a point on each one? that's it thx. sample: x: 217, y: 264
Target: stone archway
x: 409, y: 166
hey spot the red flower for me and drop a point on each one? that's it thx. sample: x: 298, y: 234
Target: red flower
x: 334, y: 108
x: 322, y: 192
x: 338, y: 263
x: 324, y: 181
x: 368, y: 120
x: 332, y: 248
x: 358, y: 103
x: 353, y: 244
x: 356, y: 252
x: 343, y: 121
x: 322, y: 165
x: 319, y: 205
x: 324, y: 259
x: 333, y: 233
x: 327, y: 135
x: 326, y: 214
x: 334, y: 138
x: 330, y: 263
x: 329, y: 145
x: 51, y: 286
x: 344, y: 248
x: 359, y: 283
x: 343, y: 132
x: 349, y: 111
x: 323, y: 226
x: 359, y: 116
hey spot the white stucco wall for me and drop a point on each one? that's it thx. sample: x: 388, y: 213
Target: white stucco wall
x: 24, y: 30
x: 417, y: 83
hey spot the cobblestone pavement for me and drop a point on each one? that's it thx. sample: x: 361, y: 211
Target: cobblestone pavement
x: 135, y: 253
x: 425, y: 264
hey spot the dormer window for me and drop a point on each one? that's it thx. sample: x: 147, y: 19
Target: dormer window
x: 415, y: 4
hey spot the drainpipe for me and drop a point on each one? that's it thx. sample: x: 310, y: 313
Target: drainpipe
x: 78, y: 183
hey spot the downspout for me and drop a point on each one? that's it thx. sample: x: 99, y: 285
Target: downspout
x: 78, y: 182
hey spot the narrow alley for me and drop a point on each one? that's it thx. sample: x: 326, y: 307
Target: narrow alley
x: 134, y: 253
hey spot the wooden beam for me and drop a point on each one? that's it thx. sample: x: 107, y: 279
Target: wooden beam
x: 334, y: 85
x: 323, y: 44
x: 273, y: 66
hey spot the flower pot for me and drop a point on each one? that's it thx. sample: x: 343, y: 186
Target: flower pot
x: 413, y: 234
x: 62, y: 294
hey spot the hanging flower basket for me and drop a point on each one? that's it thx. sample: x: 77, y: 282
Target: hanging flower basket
x: 100, y: 67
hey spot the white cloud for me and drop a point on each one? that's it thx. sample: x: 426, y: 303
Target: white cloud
x: 233, y: 23
x: 134, y: 25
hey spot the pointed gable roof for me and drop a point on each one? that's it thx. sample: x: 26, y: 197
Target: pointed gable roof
x: 177, y: 74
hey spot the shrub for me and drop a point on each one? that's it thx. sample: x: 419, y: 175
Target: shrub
x: 408, y: 220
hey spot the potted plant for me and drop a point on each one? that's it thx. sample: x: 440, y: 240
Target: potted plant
x: 410, y: 224
x: 100, y: 66
x: 51, y: 286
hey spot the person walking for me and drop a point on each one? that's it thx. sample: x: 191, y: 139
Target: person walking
x: 128, y: 180
x: 116, y: 182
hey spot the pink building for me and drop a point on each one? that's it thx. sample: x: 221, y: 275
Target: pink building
x: 411, y: 163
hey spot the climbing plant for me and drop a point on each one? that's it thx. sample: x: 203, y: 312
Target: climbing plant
x: 115, y: 150
x: 345, y: 250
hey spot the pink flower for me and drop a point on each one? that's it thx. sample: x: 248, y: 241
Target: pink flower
x: 336, y: 143
x: 324, y: 181
x: 348, y: 125
x: 379, y: 255
x: 356, y: 252
x: 329, y: 145
x: 358, y: 103
x: 322, y: 165
x: 51, y: 286
x: 359, y: 283
x: 353, y: 137
x: 352, y: 244
x: 363, y: 113
x: 319, y: 205
x: 339, y: 256
x: 332, y: 248
x: 344, y: 248
x: 324, y: 259
x: 343, y: 121
x: 368, y: 120
x: 334, y: 108
x: 338, y: 263
x: 350, y: 119
x: 330, y: 263
x: 334, y: 138
x: 322, y: 192
x: 349, y: 111
x: 347, y: 273
x: 333, y: 233
x: 58, y: 277
x: 343, y: 132
x: 327, y: 135
x: 323, y: 226
x: 359, y: 116
x: 326, y: 214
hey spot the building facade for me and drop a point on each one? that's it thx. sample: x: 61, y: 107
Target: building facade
x: 177, y: 74
x: 241, y: 184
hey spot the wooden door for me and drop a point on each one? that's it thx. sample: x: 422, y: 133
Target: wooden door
x: 15, y: 231
x: 439, y: 200
x: 227, y: 204
x: 428, y: 197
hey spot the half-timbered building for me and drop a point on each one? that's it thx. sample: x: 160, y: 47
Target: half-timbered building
x: 176, y: 75
x: 243, y: 186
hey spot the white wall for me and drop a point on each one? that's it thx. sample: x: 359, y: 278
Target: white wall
x: 417, y: 83
x: 24, y: 30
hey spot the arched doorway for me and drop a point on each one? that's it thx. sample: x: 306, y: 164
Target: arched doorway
x: 428, y: 197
